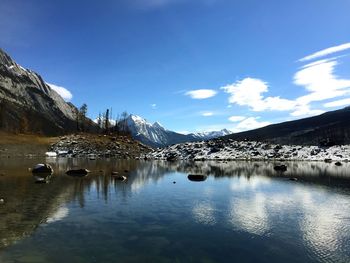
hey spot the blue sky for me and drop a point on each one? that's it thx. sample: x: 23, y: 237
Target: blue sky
x: 190, y: 64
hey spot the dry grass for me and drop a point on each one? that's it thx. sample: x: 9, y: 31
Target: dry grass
x: 18, y: 139
x: 24, y: 144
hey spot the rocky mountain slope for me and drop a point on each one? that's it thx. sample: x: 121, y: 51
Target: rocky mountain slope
x: 28, y: 104
x: 156, y: 135
x: 330, y: 128
x: 82, y: 145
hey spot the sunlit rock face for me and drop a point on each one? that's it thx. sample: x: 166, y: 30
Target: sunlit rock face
x: 28, y: 104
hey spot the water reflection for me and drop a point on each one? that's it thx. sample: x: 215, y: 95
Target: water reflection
x: 239, y: 198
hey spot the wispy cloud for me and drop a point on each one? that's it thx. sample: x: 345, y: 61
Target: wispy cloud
x: 236, y: 118
x: 207, y: 114
x: 321, y: 82
x: 200, y: 94
x: 305, y: 110
x: 325, y: 52
x: 337, y: 103
x: 154, y: 106
x: 63, y: 92
x: 250, y: 124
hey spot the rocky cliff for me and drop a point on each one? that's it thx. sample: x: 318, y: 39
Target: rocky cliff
x: 28, y: 104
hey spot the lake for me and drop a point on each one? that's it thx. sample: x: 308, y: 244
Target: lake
x: 243, y: 212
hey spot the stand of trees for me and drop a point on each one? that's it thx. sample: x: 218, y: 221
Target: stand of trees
x: 110, y: 125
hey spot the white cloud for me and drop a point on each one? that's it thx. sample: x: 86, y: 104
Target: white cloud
x: 248, y: 92
x: 326, y: 52
x: 236, y: 118
x: 304, y: 110
x: 201, y: 93
x: 207, y: 113
x: 63, y: 92
x: 250, y: 124
x: 337, y: 103
x: 154, y: 106
x: 319, y: 79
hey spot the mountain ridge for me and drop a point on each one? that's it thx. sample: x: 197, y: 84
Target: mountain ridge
x: 29, y: 105
x: 156, y: 135
x: 327, y: 129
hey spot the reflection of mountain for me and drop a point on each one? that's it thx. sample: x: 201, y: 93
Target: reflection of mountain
x: 27, y: 205
x: 316, y: 172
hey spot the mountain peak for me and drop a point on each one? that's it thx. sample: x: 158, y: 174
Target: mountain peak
x: 136, y: 118
x: 158, y: 125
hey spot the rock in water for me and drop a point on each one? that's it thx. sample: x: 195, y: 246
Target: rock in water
x: 119, y: 177
x: 78, y: 172
x: 42, y: 169
x: 42, y: 179
x: 197, y: 177
x: 51, y: 154
x: 338, y: 164
x: 280, y: 168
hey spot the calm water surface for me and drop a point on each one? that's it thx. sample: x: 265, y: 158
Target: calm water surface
x: 243, y: 212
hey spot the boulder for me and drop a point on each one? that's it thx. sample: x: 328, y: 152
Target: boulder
x: 280, y: 168
x: 78, y: 172
x: 327, y: 160
x: 197, y: 177
x: 119, y: 177
x: 172, y: 157
x: 42, y: 169
x: 338, y: 164
x: 51, y: 154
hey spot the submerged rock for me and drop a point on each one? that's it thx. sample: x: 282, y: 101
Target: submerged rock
x: 42, y: 169
x: 42, y: 179
x: 197, y: 177
x: 78, y: 172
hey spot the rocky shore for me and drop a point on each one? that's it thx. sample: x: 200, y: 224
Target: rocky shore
x: 219, y: 149
x: 92, y: 146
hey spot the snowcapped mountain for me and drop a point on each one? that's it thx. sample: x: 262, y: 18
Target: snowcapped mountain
x: 211, y: 134
x: 157, y: 136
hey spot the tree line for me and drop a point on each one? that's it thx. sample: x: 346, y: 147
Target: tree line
x: 106, y: 122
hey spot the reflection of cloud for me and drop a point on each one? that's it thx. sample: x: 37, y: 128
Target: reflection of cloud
x: 60, y: 214
x: 243, y: 183
x: 250, y: 214
x: 204, y: 213
x: 324, y: 223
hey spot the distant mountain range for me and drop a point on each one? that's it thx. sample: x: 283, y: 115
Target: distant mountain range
x: 330, y: 128
x: 157, y: 136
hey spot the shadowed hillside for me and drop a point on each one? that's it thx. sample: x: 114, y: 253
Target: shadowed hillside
x: 327, y: 129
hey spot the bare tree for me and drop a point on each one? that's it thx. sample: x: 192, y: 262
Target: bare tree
x: 81, y: 117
